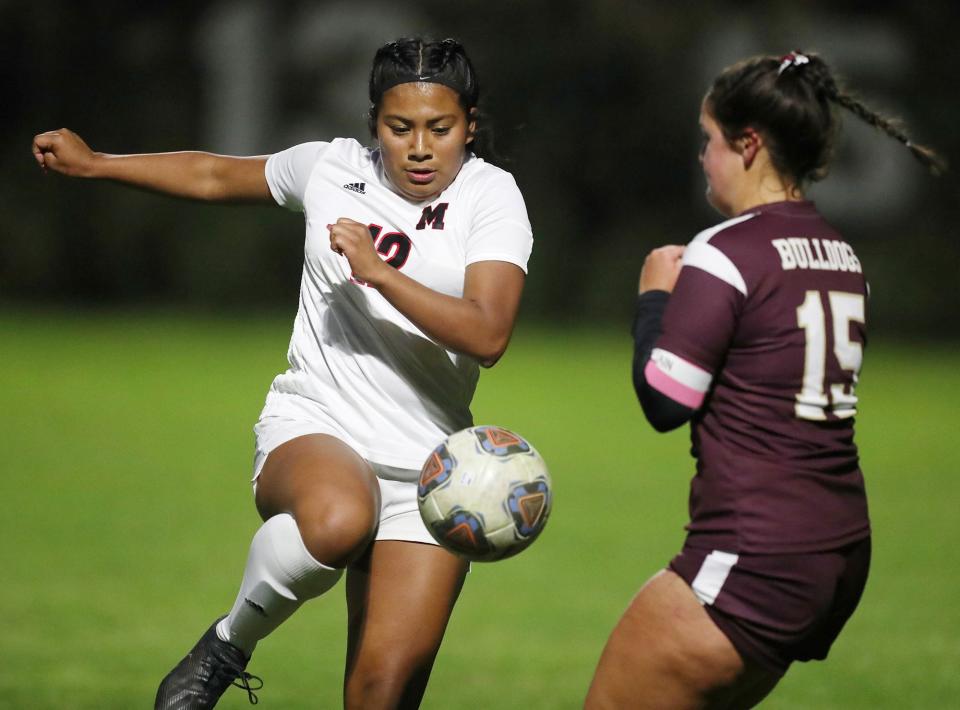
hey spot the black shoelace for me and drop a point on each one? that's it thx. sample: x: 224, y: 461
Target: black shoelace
x: 243, y: 681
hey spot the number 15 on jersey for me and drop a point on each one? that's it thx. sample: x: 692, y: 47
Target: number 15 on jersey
x: 815, y: 399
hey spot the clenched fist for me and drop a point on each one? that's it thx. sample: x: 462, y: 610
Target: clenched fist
x: 661, y: 269
x: 352, y: 239
x: 64, y: 152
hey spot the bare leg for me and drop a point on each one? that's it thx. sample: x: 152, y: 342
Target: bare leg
x: 666, y: 652
x: 329, y: 490
x: 320, y: 502
x: 399, y: 599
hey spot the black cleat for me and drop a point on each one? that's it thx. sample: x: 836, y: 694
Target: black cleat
x: 198, y: 681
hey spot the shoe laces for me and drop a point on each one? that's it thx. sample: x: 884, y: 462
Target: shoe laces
x: 243, y: 681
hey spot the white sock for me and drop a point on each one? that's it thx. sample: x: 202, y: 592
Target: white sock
x: 279, y: 577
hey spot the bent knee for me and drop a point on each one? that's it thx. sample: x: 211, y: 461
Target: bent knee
x: 336, y: 534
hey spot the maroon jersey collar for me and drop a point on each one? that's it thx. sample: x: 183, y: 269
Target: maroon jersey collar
x: 783, y: 207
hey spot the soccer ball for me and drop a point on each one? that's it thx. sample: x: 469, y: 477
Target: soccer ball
x: 484, y: 493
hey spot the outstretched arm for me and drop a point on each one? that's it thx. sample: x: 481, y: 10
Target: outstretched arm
x: 478, y: 324
x: 191, y: 174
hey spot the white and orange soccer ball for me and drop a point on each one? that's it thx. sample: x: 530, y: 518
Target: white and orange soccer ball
x: 485, y: 493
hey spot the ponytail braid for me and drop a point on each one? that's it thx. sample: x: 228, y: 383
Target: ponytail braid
x: 789, y: 99
x: 927, y: 157
x: 823, y: 81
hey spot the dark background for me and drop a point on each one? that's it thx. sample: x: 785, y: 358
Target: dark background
x: 593, y: 105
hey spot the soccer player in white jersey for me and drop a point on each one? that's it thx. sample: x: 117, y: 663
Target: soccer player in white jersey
x: 731, y: 334
x: 415, y: 258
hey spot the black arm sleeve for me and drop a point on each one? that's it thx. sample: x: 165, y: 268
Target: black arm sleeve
x: 661, y: 411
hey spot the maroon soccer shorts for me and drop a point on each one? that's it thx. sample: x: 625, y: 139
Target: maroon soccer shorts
x: 777, y: 609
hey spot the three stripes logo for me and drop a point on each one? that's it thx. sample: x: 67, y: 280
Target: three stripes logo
x: 359, y: 187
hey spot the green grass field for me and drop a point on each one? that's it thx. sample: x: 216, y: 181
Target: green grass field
x: 127, y: 447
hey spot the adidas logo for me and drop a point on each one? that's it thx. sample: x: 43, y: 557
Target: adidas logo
x: 357, y: 187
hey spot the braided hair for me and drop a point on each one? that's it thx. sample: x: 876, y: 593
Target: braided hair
x: 791, y: 100
x: 435, y: 61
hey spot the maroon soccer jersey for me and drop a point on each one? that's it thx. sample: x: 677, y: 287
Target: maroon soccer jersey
x: 764, y: 335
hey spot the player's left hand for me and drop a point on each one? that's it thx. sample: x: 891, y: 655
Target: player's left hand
x: 352, y: 240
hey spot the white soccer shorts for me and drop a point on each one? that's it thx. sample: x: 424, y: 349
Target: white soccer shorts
x: 399, y: 514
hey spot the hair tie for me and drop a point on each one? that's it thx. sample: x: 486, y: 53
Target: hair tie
x: 794, y: 59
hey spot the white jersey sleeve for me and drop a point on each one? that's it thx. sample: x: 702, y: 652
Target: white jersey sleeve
x: 500, y: 228
x: 288, y: 173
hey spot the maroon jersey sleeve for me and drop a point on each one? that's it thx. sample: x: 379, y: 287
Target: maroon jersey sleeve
x: 698, y: 327
x: 699, y: 322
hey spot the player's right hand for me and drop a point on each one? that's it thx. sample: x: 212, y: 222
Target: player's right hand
x: 64, y: 152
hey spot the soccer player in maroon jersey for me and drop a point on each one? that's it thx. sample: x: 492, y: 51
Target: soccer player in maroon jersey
x: 754, y: 333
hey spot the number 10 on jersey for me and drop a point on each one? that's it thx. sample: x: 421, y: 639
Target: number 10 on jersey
x: 815, y: 399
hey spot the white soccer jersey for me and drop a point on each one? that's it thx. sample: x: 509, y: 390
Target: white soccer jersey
x: 358, y: 368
